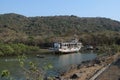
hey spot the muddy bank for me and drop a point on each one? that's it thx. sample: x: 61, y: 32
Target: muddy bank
x: 87, y: 69
x: 112, y: 72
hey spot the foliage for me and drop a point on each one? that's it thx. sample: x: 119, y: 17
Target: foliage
x: 17, y: 28
x: 5, y: 49
x: 32, y: 72
x: 18, y: 31
x: 5, y: 75
x: 16, y: 49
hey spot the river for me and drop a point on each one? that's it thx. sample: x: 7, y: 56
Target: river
x: 60, y: 63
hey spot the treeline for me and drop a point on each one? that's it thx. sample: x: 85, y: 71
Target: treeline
x: 101, y: 38
x: 104, y: 42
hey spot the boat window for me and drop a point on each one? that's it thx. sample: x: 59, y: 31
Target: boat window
x: 65, y: 45
x: 60, y: 45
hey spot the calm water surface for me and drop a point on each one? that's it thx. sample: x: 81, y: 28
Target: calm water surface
x: 60, y: 63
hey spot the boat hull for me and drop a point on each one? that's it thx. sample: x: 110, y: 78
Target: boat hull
x: 67, y: 50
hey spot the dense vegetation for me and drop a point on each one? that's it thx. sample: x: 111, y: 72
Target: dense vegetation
x: 18, y: 28
x: 35, y: 31
x: 16, y: 49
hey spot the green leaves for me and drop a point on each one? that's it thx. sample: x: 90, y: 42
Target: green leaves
x: 16, y: 28
x: 16, y: 49
x: 47, y: 66
x: 5, y: 73
x: 30, y: 70
x: 21, y: 60
x: 6, y: 49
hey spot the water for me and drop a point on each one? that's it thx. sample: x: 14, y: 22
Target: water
x: 60, y: 63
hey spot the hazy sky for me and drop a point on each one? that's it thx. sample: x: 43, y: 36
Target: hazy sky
x: 81, y: 8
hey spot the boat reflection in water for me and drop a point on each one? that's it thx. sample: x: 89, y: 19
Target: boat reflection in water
x: 74, y: 58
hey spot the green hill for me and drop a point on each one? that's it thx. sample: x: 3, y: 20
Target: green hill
x: 33, y: 30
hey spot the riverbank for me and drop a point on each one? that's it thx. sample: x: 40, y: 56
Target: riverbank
x: 112, y: 72
x: 89, y: 68
x: 19, y: 48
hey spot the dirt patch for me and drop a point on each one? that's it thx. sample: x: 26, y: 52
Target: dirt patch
x: 112, y: 73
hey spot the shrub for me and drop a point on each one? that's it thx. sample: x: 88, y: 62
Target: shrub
x: 16, y: 49
x: 6, y: 49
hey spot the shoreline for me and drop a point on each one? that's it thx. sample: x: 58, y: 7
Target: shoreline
x: 87, y: 69
x: 40, y: 52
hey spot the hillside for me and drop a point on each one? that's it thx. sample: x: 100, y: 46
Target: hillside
x: 19, y: 28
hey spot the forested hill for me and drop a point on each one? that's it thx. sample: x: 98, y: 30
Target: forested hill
x: 15, y: 27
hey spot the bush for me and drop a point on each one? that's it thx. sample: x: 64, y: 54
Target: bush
x: 6, y: 49
x: 19, y: 48
x: 1, y: 53
x: 16, y: 49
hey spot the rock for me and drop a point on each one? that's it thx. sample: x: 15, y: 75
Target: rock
x: 58, y: 78
x: 79, y: 66
x: 76, y: 75
x: 118, y: 78
x: 97, y: 61
x: 90, y: 64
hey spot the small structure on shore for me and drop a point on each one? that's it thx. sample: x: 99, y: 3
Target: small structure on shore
x: 89, y: 47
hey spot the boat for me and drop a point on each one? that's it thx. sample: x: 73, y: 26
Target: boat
x: 67, y: 47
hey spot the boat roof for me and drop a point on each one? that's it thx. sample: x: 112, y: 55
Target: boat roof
x: 73, y: 41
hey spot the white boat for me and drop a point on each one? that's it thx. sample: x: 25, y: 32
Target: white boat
x: 67, y: 47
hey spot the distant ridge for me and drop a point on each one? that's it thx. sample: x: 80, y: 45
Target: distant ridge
x: 16, y: 25
x: 56, y: 24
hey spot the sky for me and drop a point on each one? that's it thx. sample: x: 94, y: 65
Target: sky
x: 80, y: 8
